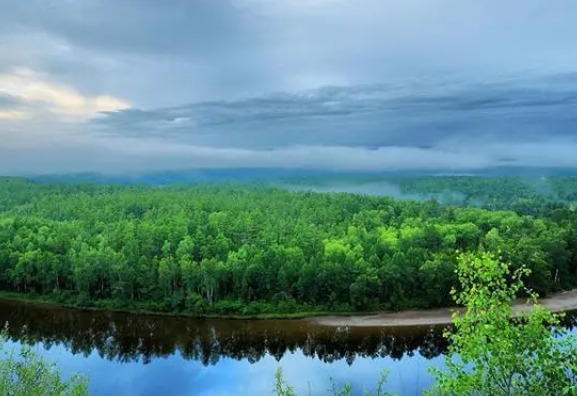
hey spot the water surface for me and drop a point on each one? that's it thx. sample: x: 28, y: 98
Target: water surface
x: 126, y: 354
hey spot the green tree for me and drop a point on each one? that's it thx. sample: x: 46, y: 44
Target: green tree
x: 177, y: 248
x: 495, y: 352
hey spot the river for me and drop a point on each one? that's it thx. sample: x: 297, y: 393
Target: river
x: 126, y: 354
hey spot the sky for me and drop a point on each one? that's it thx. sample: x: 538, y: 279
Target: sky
x: 129, y: 86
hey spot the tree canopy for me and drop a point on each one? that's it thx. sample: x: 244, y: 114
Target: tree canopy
x: 240, y: 249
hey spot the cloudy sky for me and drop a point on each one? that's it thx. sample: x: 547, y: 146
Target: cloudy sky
x: 136, y: 85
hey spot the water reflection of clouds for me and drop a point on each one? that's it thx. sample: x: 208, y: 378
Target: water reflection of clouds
x: 151, y: 355
x: 177, y: 376
x: 180, y: 377
x: 406, y: 376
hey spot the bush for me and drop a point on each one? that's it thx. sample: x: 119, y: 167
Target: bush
x: 25, y: 373
x: 288, y: 306
x: 258, y: 307
x: 227, y: 307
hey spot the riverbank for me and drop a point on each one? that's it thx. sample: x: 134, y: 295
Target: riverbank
x: 557, y: 303
x: 38, y: 299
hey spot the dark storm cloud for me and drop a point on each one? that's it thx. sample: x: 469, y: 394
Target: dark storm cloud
x: 372, y: 116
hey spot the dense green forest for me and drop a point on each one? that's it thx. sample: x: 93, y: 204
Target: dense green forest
x: 522, y: 195
x: 228, y: 249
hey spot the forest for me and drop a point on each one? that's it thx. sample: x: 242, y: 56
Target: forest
x: 227, y: 249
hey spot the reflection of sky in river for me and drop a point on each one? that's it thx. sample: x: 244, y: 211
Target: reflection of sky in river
x: 176, y: 376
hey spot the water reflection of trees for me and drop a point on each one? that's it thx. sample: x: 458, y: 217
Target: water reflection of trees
x: 132, y: 337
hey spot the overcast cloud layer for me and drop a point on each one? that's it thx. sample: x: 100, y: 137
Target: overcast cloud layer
x: 136, y: 85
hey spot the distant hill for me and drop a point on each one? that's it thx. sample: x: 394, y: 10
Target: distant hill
x: 194, y: 176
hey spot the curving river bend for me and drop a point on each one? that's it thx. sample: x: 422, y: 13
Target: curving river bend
x: 126, y: 354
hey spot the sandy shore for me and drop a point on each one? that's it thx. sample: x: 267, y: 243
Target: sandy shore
x: 560, y: 302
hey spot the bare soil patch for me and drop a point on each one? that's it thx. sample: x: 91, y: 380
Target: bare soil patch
x: 559, y: 302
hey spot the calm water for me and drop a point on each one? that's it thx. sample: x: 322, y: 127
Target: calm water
x: 152, y: 355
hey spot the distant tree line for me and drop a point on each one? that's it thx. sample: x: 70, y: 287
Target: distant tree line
x: 535, y: 196
x: 225, y: 249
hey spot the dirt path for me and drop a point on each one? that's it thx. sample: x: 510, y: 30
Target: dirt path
x: 560, y: 302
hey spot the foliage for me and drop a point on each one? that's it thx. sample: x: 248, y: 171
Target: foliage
x: 281, y: 387
x: 25, y: 373
x: 284, y: 389
x: 494, y: 352
x: 250, y: 250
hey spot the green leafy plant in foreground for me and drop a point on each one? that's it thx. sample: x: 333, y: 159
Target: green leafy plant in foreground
x: 26, y: 373
x: 497, y: 351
